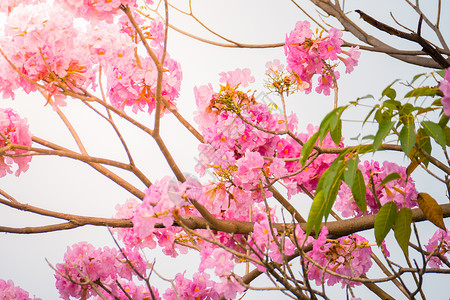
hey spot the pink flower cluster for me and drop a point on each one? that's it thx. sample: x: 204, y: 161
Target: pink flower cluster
x: 97, y: 10
x: 287, y: 148
x: 10, y: 292
x: 8, y: 5
x: 86, y: 267
x: 348, y: 256
x: 43, y: 45
x: 440, y: 238
x: 16, y: 131
x: 279, y: 80
x: 445, y: 89
x: 201, y: 287
x: 237, y: 77
x: 131, y: 291
x: 242, y: 154
x: 308, y: 55
x: 132, y: 77
x: 154, y: 216
x: 402, y: 190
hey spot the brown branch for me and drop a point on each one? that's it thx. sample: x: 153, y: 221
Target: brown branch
x: 414, y: 37
x: 101, y: 169
x: 359, y: 33
x: 336, y: 229
x: 434, y: 27
x: 226, y: 45
x: 286, y: 204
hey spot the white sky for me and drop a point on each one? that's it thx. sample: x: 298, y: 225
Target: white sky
x: 68, y: 186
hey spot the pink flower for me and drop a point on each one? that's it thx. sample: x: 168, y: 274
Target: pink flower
x: 274, y: 67
x: 352, y: 59
x: 160, y: 200
x: 229, y: 287
x: 138, y: 292
x: 200, y: 287
x: 308, y: 55
x: 8, y: 5
x: 326, y: 83
x: 401, y: 191
x: 10, y: 292
x: 103, y: 267
x: 44, y: 32
x: 331, y: 46
x: 349, y: 255
x: 445, y: 89
x: 16, y: 131
x: 249, y: 169
x: 96, y: 10
x: 237, y: 77
x: 278, y: 168
x: 218, y: 259
x: 440, y: 237
x: 262, y: 235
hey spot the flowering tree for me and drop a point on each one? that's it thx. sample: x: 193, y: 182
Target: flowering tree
x: 245, y: 220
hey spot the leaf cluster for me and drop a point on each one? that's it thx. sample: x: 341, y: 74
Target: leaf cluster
x: 410, y: 121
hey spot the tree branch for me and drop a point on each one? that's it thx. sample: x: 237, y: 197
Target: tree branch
x: 414, y: 37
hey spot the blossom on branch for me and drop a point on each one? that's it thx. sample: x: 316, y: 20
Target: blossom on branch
x: 402, y: 191
x: 440, y: 242
x: 348, y: 255
x: 13, y: 130
x: 86, y: 269
x: 10, y: 292
x: 309, y: 55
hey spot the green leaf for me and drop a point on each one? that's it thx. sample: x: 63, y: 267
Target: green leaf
x: 384, y: 220
x: 447, y: 135
x: 417, y: 77
x: 424, y: 142
x: 383, y: 130
x: 363, y: 149
x: 407, y: 138
x: 370, y: 113
x: 336, y: 133
x: 437, y: 102
x: 350, y: 170
x: 435, y: 131
x: 365, y: 97
x: 392, y: 104
x: 421, y: 110
x: 444, y: 120
x: 402, y: 228
x: 307, y: 148
x: 330, y: 121
x: 441, y: 73
x: 406, y: 110
x: 336, y: 117
x: 389, y: 92
x: 368, y: 137
x: 422, y: 91
x: 359, y: 191
x: 331, y: 181
x: 390, y: 177
x: 316, y: 213
x: 331, y: 193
